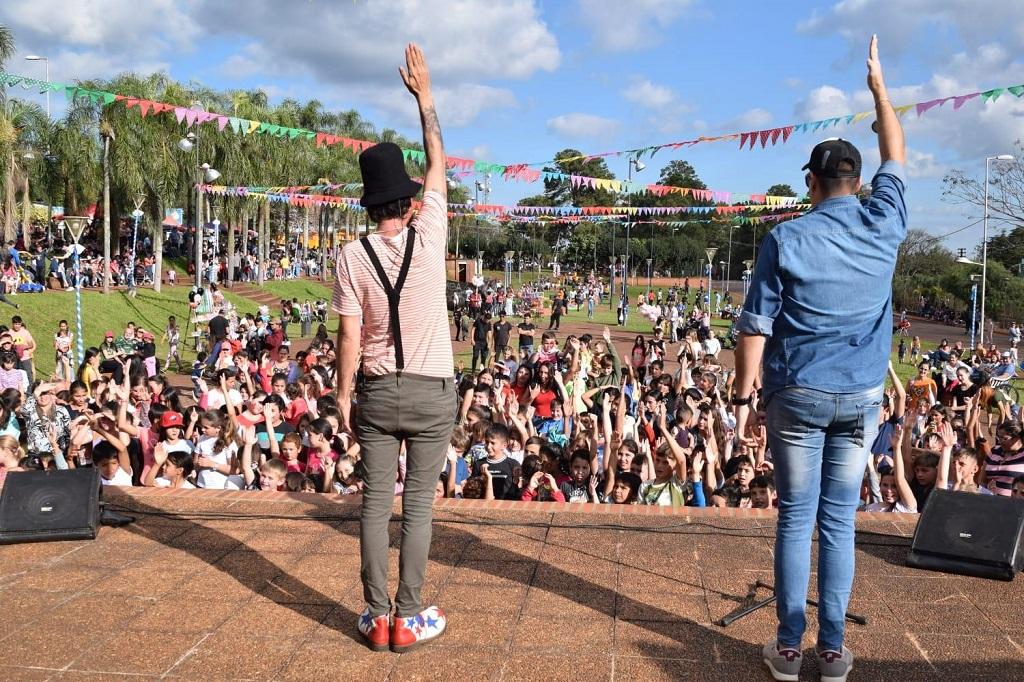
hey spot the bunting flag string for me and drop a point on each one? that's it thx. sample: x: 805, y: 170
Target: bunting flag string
x: 739, y: 220
x: 511, y: 172
x: 299, y: 192
x: 773, y: 135
x: 460, y: 167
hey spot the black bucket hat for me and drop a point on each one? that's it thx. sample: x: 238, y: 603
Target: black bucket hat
x: 384, y: 176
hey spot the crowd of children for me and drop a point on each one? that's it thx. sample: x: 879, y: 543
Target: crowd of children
x: 568, y: 421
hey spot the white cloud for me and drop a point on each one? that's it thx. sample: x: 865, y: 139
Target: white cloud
x: 752, y: 119
x: 924, y: 165
x: 99, y: 40
x: 927, y: 29
x: 977, y: 129
x: 364, y: 41
x: 647, y: 94
x: 350, y: 50
x: 582, y: 126
x: 636, y: 24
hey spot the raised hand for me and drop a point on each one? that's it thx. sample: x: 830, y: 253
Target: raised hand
x: 415, y: 75
x: 947, y: 435
x: 876, y: 83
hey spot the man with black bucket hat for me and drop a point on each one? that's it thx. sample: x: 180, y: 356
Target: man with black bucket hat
x: 390, y: 294
x: 819, y: 315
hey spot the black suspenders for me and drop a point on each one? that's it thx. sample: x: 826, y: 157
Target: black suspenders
x: 394, y: 293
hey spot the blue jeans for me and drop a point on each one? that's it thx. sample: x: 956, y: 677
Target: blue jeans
x: 819, y: 443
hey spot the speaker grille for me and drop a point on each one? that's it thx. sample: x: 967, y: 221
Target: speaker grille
x: 49, y: 505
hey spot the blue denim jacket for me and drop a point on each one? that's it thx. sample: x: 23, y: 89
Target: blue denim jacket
x: 822, y: 291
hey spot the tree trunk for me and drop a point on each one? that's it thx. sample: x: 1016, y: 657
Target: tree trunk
x: 9, y: 231
x: 26, y: 215
x: 305, y: 238
x: 106, y: 214
x: 262, y: 244
x: 158, y: 248
x: 245, y: 232
x: 231, y: 248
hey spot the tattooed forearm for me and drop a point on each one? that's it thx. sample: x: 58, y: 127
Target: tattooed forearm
x: 431, y: 126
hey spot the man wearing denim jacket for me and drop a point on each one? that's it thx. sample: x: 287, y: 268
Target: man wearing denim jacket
x: 819, y: 316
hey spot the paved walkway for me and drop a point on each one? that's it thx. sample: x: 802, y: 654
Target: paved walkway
x: 532, y: 590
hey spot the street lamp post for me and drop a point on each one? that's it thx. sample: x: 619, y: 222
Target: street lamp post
x: 611, y: 281
x: 649, y: 283
x: 203, y: 172
x: 137, y: 214
x: 509, y: 255
x: 76, y: 225
x: 747, y: 264
x: 625, y: 280
x: 721, y: 266
x: 984, y: 239
x: 711, y: 256
x: 728, y: 264
x: 638, y: 165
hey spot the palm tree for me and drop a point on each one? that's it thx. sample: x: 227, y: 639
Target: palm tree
x: 107, y: 133
x: 21, y: 126
x: 6, y: 44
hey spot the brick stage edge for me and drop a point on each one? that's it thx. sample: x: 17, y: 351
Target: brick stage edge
x: 531, y: 593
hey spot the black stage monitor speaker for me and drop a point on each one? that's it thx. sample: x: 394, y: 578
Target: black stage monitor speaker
x: 49, y: 505
x: 970, y: 534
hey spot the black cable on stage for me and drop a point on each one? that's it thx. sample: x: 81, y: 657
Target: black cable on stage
x: 669, y: 529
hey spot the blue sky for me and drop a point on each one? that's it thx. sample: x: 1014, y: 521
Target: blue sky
x: 519, y: 80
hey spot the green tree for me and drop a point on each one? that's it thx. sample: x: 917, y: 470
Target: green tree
x: 781, y: 190
x: 1008, y: 249
x: 562, y: 192
x: 678, y: 173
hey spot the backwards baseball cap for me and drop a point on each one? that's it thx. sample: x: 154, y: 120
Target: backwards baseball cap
x: 169, y: 419
x: 827, y: 156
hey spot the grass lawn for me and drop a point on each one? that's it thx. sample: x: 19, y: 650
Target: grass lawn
x: 298, y: 288
x: 41, y: 313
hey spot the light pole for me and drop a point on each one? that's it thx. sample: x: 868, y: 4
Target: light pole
x: 625, y: 279
x: 611, y: 282
x: 649, y: 261
x: 509, y: 255
x: 728, y: 264
x: 46, y: 63
x: 747, y: 264
x: 470, y: 203
x: 76, y: 225
x: 984, y: 238
x: 137, y: 214
x: 215, y: 266
x: 639, y: 165
x: 203, y: 172
x: 711, y: 257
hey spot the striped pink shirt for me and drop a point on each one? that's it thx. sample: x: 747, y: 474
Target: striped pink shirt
x: 426, y: 342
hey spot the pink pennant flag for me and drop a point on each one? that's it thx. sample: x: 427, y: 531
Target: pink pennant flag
x: 221, y: 122
x: 190, y: 117
x: 775, y: 135
x: 179, y: 113
x: 786, y: 132
x: 925, y: 106
x: 961, y: 99
x: 764, y: 137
